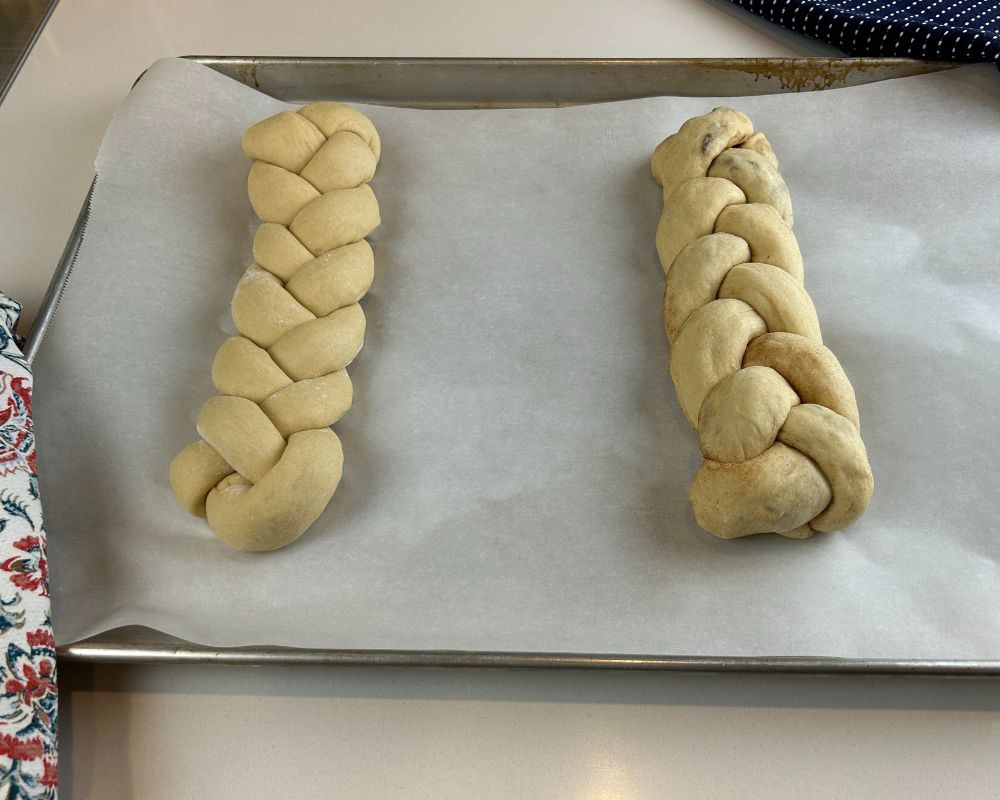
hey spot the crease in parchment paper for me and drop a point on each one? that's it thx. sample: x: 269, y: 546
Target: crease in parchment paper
x: 516, y: 466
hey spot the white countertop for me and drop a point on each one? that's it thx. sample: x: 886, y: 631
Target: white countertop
x: 183, y: 732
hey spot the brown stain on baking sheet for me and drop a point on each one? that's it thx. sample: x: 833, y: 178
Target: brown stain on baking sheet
x: 812, y: 75
x: 248, y: 75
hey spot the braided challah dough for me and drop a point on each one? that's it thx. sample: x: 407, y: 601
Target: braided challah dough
x: 268, y: 463
x: 775, y: 414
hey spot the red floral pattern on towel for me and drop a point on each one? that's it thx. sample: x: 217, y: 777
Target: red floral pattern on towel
x: 28, y: 698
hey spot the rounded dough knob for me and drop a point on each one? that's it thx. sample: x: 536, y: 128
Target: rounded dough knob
x: 774, y: 294
x: 696, y: 275
x: 741, y: 416
x: 770, y: 240
x: 277, y: 510
x: 335, y: 279
x: 276, y: 194
x: 263, y: 310
x: 688, y: 153
x: 835, y: 445
x: 690, y: 213
x: 243, y: 369
x: 336, y: 218
x: 779, y: 490
x: 811, y: 369
x: 709, y: 347
x: 278, y: 251
x: 343, y: 162
x: 758, y: 178
x: 321, y: 346
x: 194, y: 471
x: 314, y: 403
x: 242, y: 434
x: 287, y: 140
x: 331, y: 117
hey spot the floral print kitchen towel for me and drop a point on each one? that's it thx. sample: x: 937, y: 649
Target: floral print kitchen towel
x: 28, y: 701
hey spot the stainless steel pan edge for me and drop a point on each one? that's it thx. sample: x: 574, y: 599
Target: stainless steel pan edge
x: 477, y: 83
x: 509, y: 82
x: 143, y: 646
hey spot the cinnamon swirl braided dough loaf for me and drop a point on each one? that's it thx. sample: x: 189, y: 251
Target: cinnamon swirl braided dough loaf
x: 267, y: 462
x: 775, y: 414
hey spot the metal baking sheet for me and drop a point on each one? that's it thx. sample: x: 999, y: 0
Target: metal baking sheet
x: 253, y: 71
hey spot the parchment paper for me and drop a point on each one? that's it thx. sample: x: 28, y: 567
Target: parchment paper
x: 516, y: 463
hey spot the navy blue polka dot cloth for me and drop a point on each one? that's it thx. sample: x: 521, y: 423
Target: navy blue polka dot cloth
x: 949, y: 30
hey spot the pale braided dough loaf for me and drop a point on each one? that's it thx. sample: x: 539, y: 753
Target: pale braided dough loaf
x: 268, y: 463
x: 775, y: 414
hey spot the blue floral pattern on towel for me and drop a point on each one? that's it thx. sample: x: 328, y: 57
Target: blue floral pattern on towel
x: 28, y: 698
